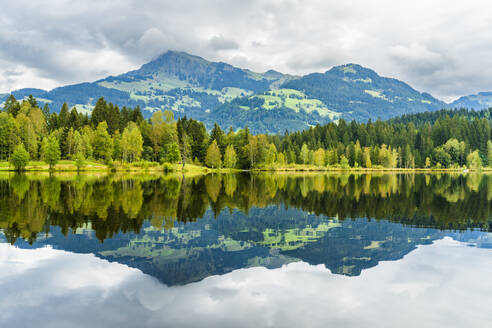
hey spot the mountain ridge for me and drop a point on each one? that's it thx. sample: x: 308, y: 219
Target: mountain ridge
x: 268, y: 102
x: 481, y: 100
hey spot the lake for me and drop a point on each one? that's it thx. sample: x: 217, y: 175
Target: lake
x: 246, y: 250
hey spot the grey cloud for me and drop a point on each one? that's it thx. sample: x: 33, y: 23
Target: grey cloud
x: 219, y: 42
x: 418, y: 58
x: 442, y: 46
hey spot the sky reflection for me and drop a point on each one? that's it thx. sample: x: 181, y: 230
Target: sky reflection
x: 445, y: 284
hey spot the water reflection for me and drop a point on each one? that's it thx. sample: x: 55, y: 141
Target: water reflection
x: 184, y: 229
x: 425, y: 289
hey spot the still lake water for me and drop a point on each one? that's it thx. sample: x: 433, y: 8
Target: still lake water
x: 267, y: 250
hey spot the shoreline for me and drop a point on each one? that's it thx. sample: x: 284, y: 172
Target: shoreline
x: 152, y: 167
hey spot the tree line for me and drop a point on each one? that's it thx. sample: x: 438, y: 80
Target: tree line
x: 443, y: 139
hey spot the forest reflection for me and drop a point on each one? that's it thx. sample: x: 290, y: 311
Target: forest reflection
x: 29, y: 205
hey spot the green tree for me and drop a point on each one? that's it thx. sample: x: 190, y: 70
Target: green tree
x: 427, y: 162
x: 219, y: 136
x: 489, y: 152
x: 70, y: 146
x: 102, y: 144
x: 441, y: 158
x: 131, y: 143
x: 9, y: 136
x: 230, y: 157
x: 172, y: 153
x: 99, y: 112
x: 19, y: 158
x: 27, y: 134
x: 32, y: 101
x: 271, y: 156
x: 304, y: 156
x: 366, y: 158
x: 344, y: 162
x: 86, y: 138
x: 11, y: 106
x: 112, y: 118
x: 79, y: 160
x: 281, y: 159
x: 319, y: 157
x: 474, y: 161
x: 63, y: 117
x: 358, y: 153
x: 163, y: 132
x: 331, y: 157
x: 456, y: 150
x: 213, y: 158
x: 50, y: 150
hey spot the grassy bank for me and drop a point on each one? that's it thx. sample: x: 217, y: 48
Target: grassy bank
x: 314, y: 168
x: 93, y: 166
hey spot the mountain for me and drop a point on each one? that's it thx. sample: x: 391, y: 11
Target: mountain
x: 479, y: 101
x: 269, y: 102
x: 359, y: 93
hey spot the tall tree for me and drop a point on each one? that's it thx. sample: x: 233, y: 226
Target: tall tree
x: 113, y: 118
x: 9, y: 136
x: 50, y: 150
x: 213, y: 158
x: 219, y: 136
x: 99, y: 112
x: 319, y: 157
x: 64, y: 116
x: 304, y: 154
x: 103, y: 144
x: 230, y: 157
x: 131, y: 143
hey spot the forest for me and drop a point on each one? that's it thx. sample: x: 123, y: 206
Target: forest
x: 442, y: 139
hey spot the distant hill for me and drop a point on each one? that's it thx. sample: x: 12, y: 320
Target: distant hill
x: 359, y: 93
x: 267, y: 102
x: 479, y: 101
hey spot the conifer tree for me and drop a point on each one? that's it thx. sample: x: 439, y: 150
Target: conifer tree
x: 63, y: 117
x: 98, y: 114
x: 11, y: 106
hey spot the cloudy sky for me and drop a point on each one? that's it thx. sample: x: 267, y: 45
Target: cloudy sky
x: 440, y: 46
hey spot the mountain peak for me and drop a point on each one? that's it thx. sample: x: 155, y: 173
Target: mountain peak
x: 351, y: 68
x: 179, y: 54
x: 273, y: 73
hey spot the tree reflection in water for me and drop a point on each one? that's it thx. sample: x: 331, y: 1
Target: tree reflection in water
x: 182, y: 229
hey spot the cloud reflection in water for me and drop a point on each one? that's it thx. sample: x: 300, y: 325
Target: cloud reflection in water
x: 445, y: 284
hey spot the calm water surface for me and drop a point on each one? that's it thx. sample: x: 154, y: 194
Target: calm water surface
x: 269, y: 250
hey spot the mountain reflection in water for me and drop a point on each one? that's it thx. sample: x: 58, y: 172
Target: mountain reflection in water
x: 184, y: 229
